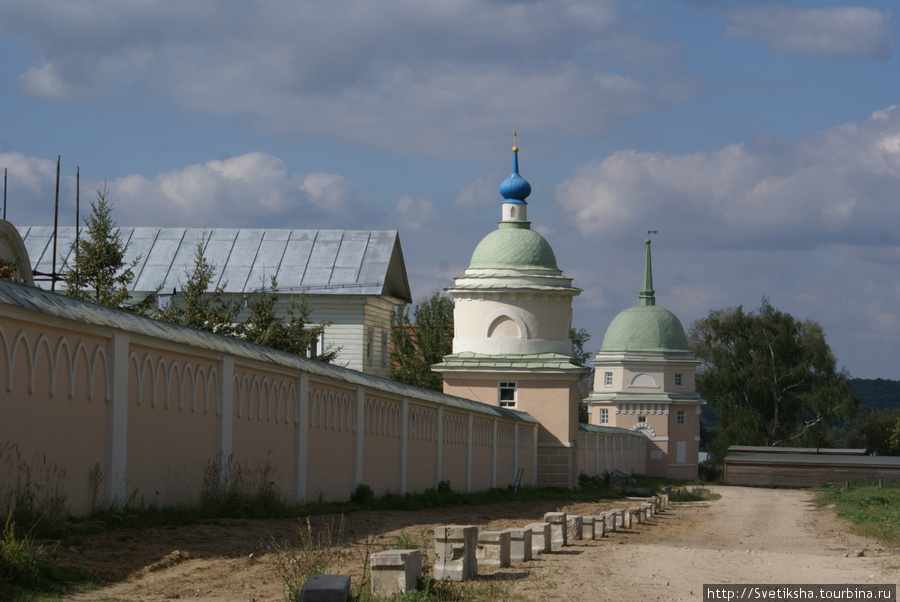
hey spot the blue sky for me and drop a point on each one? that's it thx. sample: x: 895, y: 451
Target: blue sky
x: 761, y: 139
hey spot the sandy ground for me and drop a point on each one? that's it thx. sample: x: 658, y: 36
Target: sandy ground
x: 748, y: 536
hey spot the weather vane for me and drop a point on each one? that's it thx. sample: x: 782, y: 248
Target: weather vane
x: 649, y: 232
x: 515, y: 142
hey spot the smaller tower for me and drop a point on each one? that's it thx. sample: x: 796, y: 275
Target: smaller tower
x: 644, y: 381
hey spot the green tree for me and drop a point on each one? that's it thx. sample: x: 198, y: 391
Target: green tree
x: 874, y: 431
x: 198, y: 307
x: 581, y: 357
x: 580, y: 338
x: 292, y: 332
x: 771, y: 379
x: 418, y: 345
x: 99, y: 272
x: 8, y: 269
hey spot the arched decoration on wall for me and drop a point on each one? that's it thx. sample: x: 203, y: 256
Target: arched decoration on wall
x: 644, y: 381
x: 644, y: 429
x: 504, y: 324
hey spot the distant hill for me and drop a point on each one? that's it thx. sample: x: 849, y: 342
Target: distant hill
x: 876, y: 394
x: 872, y: 393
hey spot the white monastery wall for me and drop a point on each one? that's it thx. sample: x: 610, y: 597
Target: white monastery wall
x: 155, y: 416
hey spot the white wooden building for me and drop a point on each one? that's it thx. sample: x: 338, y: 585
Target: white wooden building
x: 353, y: 279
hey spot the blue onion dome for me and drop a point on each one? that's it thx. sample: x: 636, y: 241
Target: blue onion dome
x: 515, y: 188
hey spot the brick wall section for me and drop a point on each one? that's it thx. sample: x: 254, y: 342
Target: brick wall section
x: 554, y: 466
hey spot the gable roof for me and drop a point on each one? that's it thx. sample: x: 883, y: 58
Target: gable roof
x: 315, y: 262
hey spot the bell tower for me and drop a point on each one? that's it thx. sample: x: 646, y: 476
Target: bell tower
x: 511, y: 345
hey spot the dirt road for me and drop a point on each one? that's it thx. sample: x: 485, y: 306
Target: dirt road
x: 748, y: 536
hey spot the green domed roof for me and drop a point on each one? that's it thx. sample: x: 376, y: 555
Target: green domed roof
x: 645, y: 328
x: 514, y: 246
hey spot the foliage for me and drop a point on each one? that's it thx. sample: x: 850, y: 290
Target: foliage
x: 99, y: 272
x: 876, y: 393
x: 198, y: 308
x: 875, y: 431
x: 416, y: 346
x: 580, y: 338
x: 26, y: 567
x: 873, y: 511
x: 771, y: 378
x: 316, y: 553
x: 291, y: 333
x: 8, y: 269
x: 692, y: 494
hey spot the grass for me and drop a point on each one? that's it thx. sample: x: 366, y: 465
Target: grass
x: 872, y: 511
x: 26, y: 568
x: 692, y: 494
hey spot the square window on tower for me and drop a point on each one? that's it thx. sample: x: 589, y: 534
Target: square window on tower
x: 506, y: 394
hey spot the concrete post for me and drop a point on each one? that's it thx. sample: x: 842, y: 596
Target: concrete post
x: 520, y: 546
x: 541, y: 540
x: 558, y: 528
x: 493, y: 549
x: 574, y: 527
x: 395, y: 572
x: 454, y: 552
x: 301, y: 424
x: 117, y: 419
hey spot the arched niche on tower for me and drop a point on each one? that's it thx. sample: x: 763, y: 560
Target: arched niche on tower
x: 644, y: 381
x: 504, y: 324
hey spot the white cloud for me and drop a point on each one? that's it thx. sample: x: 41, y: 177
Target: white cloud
x: 838, y: 186
x: 403, y: 74
x: 477, y: 194
x: 255, y: 189
x: 413, y: 213
x: 844, y: 32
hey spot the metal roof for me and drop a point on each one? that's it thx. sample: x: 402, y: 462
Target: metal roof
x: 820, y: 459
x: 62, y: 306
x: 608, y: 430
x: 315, y: 262
x: 822, y: 451
x: 537, y: 361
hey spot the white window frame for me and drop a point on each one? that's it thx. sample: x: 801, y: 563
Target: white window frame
x: 604, y: 416
x: 317, y: 348
x: 679, y: 379
x: 608, y: 379
x: 680, y: 417
x: 506, y: 386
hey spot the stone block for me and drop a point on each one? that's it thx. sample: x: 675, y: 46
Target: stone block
x: 520, y: 546
x: 600, y: 526
x: 587, y: 527
x: 646, y: 511
x: 626, y: 519
x: 395, y: 572
x: 618, y: 518
x: 540, y: 538
x: 454, y: 552
x: 325, y: 588
x: 635, y: 514
x: 493, y: 549
x: 575, y: 527
x: 558, y: 529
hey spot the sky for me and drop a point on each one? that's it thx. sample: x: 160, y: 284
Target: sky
x: 761, y: 139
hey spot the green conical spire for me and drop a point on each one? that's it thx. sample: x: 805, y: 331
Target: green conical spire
x: 646, y: 296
